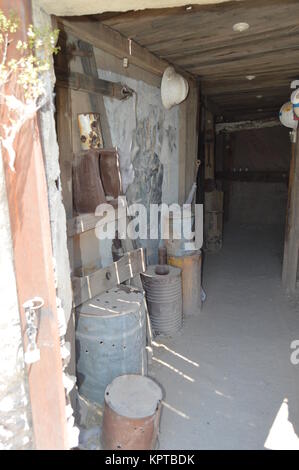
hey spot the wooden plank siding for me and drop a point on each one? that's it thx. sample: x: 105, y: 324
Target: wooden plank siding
x: 33, y: 261
x: 129, y: 266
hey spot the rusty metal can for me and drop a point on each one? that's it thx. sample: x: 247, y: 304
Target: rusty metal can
x: 190, y: 265
x: 131, y: 413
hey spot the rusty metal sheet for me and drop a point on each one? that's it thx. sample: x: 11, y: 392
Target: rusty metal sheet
x: 110, y: 172
x: 87, y: 184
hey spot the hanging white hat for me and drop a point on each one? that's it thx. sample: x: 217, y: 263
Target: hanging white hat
x: 286, y: 115
x: 174, y: 88
x: 295, y: 101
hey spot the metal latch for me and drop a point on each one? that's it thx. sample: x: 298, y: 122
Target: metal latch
x: 31, y: 307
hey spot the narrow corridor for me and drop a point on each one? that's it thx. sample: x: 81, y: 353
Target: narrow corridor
x: 227, y: 375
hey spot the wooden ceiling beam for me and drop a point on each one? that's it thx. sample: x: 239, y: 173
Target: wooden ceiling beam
x: 141, y: 16
x: 237, y: 110
x: 210, y: 25
x: 217, y: 88
x: 192, y: 40
x: 111, y: 41
x: 233, y: 117
x: 265, y: 44
x: 163, y: 14
x: 250, y: 65
x: 229, y: 127
x: 203, y: 42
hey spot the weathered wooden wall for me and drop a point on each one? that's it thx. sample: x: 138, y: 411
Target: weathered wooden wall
x: 291, y: 243
x: 253, y: 167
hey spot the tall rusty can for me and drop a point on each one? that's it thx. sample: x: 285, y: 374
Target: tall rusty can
x: 131, y: 413
x: 190, y: 264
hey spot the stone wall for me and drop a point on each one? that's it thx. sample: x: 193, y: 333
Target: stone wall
x: 148, y: 141
x: 56, y: 208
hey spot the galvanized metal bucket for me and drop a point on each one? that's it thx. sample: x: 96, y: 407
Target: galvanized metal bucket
x: 164, y: 298
x: 110, y: 340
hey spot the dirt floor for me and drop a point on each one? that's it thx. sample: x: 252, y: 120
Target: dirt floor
x: 227, y: 376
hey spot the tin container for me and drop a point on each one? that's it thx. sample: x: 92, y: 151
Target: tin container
x: 190, y: 264
x: 163, y: 290
x: 178, y: 234
x: 131, y: 414
x: 110, y: 340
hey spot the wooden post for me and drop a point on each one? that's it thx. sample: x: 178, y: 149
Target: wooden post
x: 291, y: 243
x: 182, y: 152
x: 30, y: 227
x: 209, y: 146
x: 227, y: 142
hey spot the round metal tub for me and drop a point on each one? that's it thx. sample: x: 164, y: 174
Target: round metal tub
x: 131, y: 413
x: 164, y: 298
x: 110, y: 340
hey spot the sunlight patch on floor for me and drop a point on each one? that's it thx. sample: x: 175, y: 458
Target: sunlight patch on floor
x: 282, y: 435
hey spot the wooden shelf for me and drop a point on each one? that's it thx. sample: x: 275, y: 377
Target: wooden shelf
x: 97, y: 282
x: 84, y: 222
x: 81, y: 82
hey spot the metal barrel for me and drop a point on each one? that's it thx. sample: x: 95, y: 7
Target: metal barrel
x: 110, y: 340
x: 190, y: 264
x: 164, y: 298
x: 131, y: 414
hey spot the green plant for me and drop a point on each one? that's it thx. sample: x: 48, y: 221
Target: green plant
x: 23, y: 66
